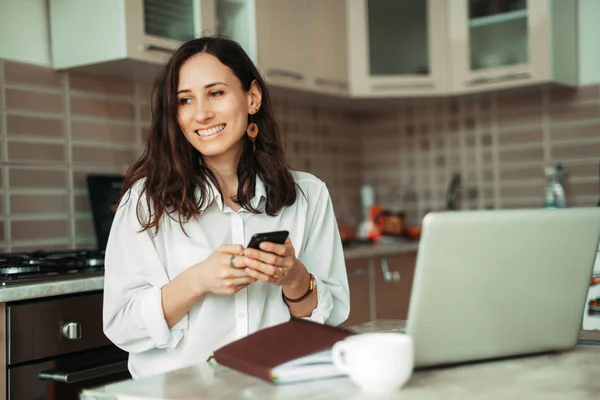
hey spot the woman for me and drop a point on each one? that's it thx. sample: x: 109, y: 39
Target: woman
x: 178, y: 281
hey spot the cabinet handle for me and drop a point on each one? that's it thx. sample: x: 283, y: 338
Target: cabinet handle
x: 71, y: 330
x: 153, y: 47
x: 331, y: 82
x: 285, y: 73
x: 396, y: 86
x: 500, y: 78
x: 389, y: 276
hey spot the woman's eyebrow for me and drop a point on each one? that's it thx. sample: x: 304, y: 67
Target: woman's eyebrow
x: 206, y: 86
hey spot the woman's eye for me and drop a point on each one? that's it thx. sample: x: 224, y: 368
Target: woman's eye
x: 216, y: 93
x: 184, y: 101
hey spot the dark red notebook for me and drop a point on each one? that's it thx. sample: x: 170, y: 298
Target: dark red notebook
x: 296, y: 350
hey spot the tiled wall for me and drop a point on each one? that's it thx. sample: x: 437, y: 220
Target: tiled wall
x: 499, y: 143
x: 55, y: 128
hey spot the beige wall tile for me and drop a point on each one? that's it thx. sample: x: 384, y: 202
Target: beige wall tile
x: 101, y: 108
x: 574, y: 112
x: 581, y: 189
x: 521, y: 155
x: 106, y: 133
x: 575, y: 151
x: 22, y: 230
x: 81, y: 203
x: 38, y: 204
x: 84, y: 227
x: 526, y: 135
x: 534, y: 190
x: 101, y: 84
x: 510, y: 119
x: 44, y: 127
x: 36, y: 152
x: 32, y: 74
x: 17, y: 99
x: 588, y: 130
x: 37, y: 178
x: 525, y: 173
x: 562, y: 94
x: 99, y: 155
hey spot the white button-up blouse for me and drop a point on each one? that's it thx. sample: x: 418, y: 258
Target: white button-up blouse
x: 138, y: 264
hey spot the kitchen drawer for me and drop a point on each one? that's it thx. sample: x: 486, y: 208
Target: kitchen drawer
x: 53, y: 326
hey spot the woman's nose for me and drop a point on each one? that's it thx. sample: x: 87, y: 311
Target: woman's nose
x: 203, y: 111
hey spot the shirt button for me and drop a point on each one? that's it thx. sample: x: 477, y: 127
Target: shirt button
x: 241, y: 315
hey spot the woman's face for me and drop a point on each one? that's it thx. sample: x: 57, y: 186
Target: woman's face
x: 213, y: 107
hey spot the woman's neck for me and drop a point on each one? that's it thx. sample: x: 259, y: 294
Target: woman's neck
x: 226, y: 174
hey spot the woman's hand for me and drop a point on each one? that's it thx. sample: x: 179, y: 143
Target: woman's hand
x: 221, y: 273
x: 275, y: 263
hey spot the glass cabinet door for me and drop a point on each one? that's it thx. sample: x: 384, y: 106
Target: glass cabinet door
x: 398, y: 37
x: 397, y: 47
x: 235, y: 20
x: 499, y: 43
x: 498, y: 33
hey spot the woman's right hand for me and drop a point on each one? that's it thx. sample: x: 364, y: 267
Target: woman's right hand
x: 216, y: 275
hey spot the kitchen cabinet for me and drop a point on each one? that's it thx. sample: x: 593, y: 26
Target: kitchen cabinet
x: 281, y: 34
x: 498, y: 44
x: 327, y: 46
x: 359, y: 279
x: 393, y: 285
x: 397, y: 48
x: 124, y: 35
x: 380, y: 287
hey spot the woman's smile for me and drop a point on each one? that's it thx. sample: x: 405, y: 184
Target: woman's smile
x: 210, y: 132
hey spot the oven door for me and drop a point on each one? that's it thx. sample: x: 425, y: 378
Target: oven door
x: 65, y: 377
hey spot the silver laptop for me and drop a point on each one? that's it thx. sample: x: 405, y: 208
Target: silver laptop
x: 491, y: 284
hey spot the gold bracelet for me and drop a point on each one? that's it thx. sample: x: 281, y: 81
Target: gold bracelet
x: 311, y: 288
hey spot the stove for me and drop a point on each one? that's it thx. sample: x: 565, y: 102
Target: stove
x: 45, y: 266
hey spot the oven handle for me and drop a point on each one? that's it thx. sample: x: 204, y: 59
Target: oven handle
x: 83, y: 375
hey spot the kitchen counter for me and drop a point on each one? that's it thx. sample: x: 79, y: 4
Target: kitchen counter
x: 569, y: 375
x: 380, y: 249
x: 78, y: 285
x: 53, y: 288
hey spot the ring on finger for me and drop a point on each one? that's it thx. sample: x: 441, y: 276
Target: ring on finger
x: 231, y: 260
x: 281, y: 271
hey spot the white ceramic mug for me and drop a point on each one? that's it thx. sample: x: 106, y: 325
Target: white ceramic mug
x: 376, y: 362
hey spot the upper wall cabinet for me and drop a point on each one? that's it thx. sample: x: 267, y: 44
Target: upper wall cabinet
x: 295, y: 43
x: 397, y: 48
x: 126, y: 34
x: 499, y: 43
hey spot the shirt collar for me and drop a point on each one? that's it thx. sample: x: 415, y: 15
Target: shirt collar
x: 214, y: 195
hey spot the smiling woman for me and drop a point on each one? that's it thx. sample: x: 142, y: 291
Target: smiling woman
x: 179, y: 282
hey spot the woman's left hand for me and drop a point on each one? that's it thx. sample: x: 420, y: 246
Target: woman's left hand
x: 275, y: 263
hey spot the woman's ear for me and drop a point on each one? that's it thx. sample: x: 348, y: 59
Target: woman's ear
x: 254, y: 98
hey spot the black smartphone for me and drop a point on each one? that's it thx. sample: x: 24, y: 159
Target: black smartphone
x: 278, y: 237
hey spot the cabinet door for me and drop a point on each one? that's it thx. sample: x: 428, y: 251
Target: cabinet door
x: 360, y: 291
x: 156, y: 28
x: 236, y: 20
x: 499, y: 43
x: 397, y: 47
x: 393, y: 285
x: 327, y: 45
x: 281, y: 39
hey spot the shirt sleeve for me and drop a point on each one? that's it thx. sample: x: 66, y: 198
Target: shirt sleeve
x: 323, y: 256
x: 133, y: 277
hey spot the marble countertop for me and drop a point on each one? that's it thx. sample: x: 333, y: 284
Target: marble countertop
x: 53, y: 288
x: 568, y: 375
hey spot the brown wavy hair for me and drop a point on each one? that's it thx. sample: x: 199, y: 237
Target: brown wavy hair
x: 173, y: 169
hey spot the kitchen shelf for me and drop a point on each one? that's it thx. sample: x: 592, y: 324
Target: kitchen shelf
x: 498, y: 18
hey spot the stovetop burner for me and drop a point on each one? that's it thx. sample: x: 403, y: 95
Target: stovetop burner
x: 22, y: 267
